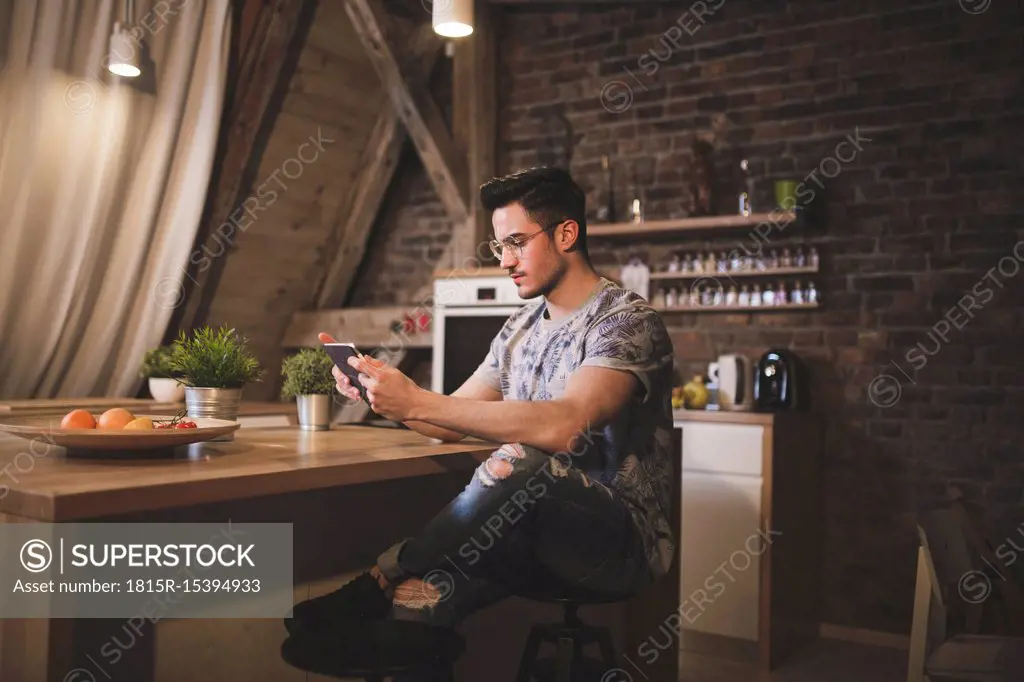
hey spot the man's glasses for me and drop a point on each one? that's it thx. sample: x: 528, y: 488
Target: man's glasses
x: 517, y: 242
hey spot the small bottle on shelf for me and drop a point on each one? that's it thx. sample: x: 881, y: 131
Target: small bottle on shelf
x: 659, y: 298
x: 744, y: 297
x: 786, y: 261
x: 735, y: 262
x: 747, y: 263
x: 798, y: 293
x: 780, y: 294
x: 698, y: 262
x: 723, y: 262
x: 718, y: 296
x: 812, y: 293
x: 768, y: 297
x: 755, y: 296
x: 709, y: 262
x: 760, y: 264
x: 671, y: 298
x: 706, y: 297
x: 673, y: 265
x: 731, y: 296
x: 812, y: 258
x: 773, y: 260
x: 799, y: 260
x: 693, y: 298
x: 685, y: 264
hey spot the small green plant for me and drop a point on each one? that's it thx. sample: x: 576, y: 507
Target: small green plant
x: 214, y: 359
x: 308, y: 372
x: 158, y: 364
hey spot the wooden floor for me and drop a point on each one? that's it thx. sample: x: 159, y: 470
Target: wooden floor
x: 824, y: 661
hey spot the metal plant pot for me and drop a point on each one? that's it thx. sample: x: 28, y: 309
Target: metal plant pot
x: 314, y: 412
x: 216, y: 403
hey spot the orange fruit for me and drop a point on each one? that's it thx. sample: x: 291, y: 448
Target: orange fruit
x: 115, y: 418
x: 78, y: 419
x: 140, y: 424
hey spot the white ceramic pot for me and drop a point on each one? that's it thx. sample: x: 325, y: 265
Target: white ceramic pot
x: 166, y: 390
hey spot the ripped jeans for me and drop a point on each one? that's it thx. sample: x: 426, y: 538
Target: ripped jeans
x: 526, y: 520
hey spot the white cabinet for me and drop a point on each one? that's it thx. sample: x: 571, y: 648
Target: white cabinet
x: 720, y: 545
x: 720, y: 553
x: 750, y: 533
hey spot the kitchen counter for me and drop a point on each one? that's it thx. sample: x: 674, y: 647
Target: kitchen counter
x: 724, y: 417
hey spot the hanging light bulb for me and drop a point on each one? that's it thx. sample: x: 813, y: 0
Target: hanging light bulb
x: 452, y: 18
x: 124, y: 55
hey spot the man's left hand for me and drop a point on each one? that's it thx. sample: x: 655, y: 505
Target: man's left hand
x: 391, y: 393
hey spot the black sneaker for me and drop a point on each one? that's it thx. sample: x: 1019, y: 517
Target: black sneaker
x: 360, y: 600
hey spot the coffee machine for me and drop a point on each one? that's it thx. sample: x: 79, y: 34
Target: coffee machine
x: 780, y: 382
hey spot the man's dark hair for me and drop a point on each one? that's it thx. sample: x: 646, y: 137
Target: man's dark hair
x: 548, y: 195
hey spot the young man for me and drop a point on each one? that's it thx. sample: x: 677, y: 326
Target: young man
x: 577, y: 385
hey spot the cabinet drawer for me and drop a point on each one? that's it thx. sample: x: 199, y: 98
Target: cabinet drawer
x: 723, y: 448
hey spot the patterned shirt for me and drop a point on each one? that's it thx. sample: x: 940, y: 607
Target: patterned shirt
x: 532, y: 358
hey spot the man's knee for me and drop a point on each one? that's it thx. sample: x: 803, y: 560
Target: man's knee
x: 504, y: 461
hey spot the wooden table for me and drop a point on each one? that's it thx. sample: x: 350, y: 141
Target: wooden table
x: 350, y: 493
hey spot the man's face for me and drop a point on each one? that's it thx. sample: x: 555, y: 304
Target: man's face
x: 537, y: 265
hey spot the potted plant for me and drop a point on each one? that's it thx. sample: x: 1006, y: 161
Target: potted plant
x: 308, y: 379
x: 164, y: 381
x: 214, y: 366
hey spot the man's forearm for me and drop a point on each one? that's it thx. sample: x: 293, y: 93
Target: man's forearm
x: 431, y: 431
x: 549, y: 425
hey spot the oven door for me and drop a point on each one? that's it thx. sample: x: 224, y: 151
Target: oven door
x: 462, y: 337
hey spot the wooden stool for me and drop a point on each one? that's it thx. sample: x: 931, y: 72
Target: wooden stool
x: 570, y: 637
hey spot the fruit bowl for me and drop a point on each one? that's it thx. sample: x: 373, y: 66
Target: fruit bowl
x: 49, y: 430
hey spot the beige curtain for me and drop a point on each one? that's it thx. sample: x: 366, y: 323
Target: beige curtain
x: 102, y: 184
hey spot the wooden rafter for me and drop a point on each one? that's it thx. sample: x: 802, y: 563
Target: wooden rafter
x: 378, y: 163
x: 257, y: 89
x: 417, y: 111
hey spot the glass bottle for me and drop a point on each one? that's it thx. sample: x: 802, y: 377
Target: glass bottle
x: 659, y: 298
x: 780, y: 294
x: 718, y: 296
x: 706, y: 297
x: 798, y: 293
x: 799, y: 260
x: 747, y: 263
x: 755, y: 296
x: 760, y: 264
x: 744, y: 297
x: 673, y: 265
x: 812, y: 258
x: 693, y: 298
x: 723, y: 262
x: 735, y: 263
x: 768, y: 297
x: 773, y: 260
x: 731, y: 297
x: 786, y: 261
x: 812, y: 293
x: 744, y: 195
x: 709, y: 262
x: 698, y: 262
x: 672, y: 298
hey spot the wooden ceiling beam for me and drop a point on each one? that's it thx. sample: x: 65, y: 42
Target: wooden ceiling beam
x: 275, y: 33
x: 417, y: 111
x: 347, y: 243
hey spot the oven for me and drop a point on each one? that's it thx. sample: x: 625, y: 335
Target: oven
x: 468, y: 313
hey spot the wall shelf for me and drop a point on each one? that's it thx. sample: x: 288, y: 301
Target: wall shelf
x: 730, y: 274
x: 736, y: 308
x: 650, y: 228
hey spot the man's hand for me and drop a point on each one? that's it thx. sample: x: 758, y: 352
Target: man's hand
x: 391, y: 393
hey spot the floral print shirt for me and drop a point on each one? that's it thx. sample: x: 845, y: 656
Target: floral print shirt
x: 532, y: 358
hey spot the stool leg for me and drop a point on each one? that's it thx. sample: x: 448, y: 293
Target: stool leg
x: 529, y: 656
x: 563, y: 660
x: 604, y: 641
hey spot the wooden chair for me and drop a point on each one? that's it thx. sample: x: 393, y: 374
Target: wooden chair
x: 934, y: 655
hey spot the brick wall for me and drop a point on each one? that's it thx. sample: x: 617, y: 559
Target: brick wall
x: 913, y: 219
